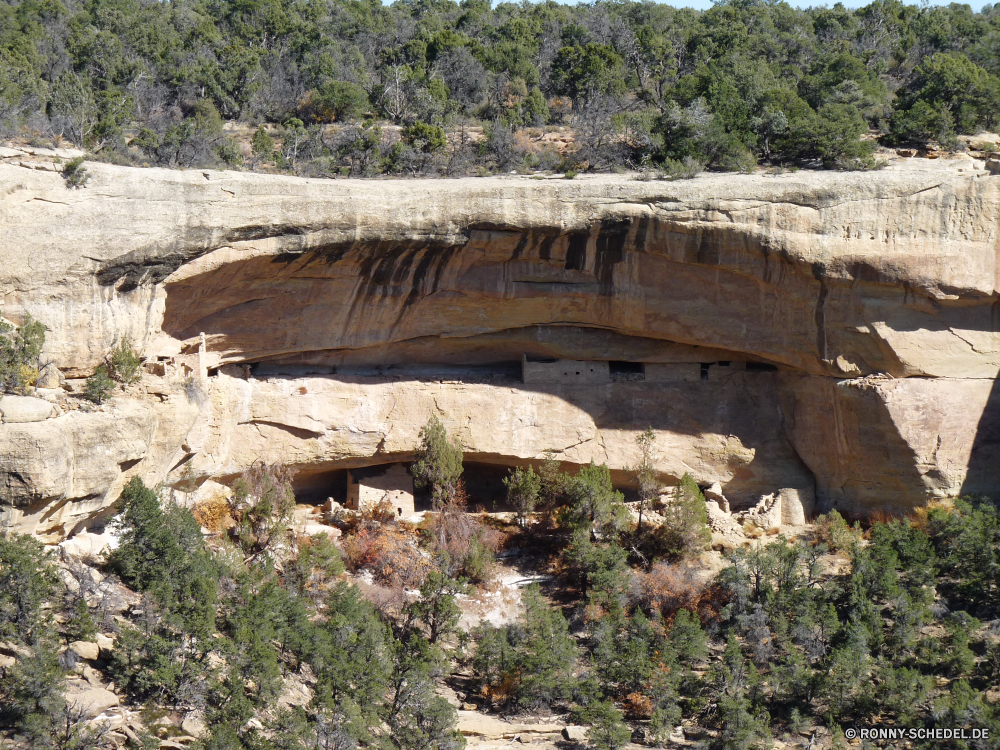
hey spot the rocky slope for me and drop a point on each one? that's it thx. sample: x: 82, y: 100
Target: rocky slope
x: 338, y: 315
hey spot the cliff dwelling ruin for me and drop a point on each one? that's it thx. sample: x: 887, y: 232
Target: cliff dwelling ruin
x: 367, y: 489
x: 813, y: 337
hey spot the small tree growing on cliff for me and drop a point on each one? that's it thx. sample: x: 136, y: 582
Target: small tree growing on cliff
x: 685, y: 529
x: 124, y: 363
x: 19, y: 351
x: 523, y: 487
x: 644, y: 474
x: 438, y: 464
x: 99, y: 386
x: 262, y: 505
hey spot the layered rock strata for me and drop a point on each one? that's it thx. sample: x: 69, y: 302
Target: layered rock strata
x: 831, y: 334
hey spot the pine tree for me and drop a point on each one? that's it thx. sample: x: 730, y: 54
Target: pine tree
x: 439, y: 462
x: 529, y: 662
x: 741, y: 724
x: 684, y: 531
x: 608, y: 730
x: 644, y: 473
x: 552, y: 481
x: 436, y: 607
x: 523, y: 490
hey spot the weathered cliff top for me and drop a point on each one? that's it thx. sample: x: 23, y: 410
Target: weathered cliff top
x: 932, y: 224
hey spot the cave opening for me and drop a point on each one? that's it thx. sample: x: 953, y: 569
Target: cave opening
x: 484, y: 487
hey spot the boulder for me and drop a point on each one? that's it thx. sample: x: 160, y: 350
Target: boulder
x: 574, y: 733
x: 19, y: 409
x: 311, y: 529
x: 106, y: 643
x: 194, y: 725
x: 49, y: 377
x: 92, y: 701
x: 86, y: 545
x: 85, y: 650
x: 473, y: 724
x: 294, y: 692
x: 93, y: 677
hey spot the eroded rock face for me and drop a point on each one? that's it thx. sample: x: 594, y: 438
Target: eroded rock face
x: 58, y: 472
x: 872, y: 295
x: 878, y: 442
x: 727, y: 429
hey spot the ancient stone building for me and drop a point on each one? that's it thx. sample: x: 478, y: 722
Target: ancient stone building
x: 366, y: 488
x: 564, y: 371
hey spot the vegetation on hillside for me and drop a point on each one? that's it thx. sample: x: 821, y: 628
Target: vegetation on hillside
x: 20, y: 348
x: 889, y: 625
x: 438, y: 87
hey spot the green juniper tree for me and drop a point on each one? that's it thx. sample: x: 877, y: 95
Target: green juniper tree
x: 644, y: 473
x: 529, y: 663
x: 523, y: 491
x: 438, y: 464
x: 684, y: 531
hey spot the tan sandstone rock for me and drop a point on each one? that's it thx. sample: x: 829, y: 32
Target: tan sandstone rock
x: 872, y: 294
x: 91, y: 701
x: 58, y: 472
x: 85, y: 650
x: 20, y: 409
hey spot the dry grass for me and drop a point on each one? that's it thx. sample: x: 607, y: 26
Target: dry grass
x: 213, y: 514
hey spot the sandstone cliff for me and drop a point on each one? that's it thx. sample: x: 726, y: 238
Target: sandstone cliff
x: 337, y: 315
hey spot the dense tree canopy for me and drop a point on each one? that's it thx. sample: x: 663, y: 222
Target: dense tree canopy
x: 639, y: 82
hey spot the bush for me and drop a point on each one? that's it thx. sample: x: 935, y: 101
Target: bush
x: 685, y: 169
x: 667, y: 588
x: 29, y: 586
x: 124, y: 363
x: 529, y: 663
x: 261, y: 504
x: 425, y: 138
x: 607, y: 730
x: 832, y: 530
x: 335, y: 101
x: 29, y: 582
x: 20, y: 349
x: 523, y: 487
x: 832, y: 135
x: 262, y: 145
x: 315, y: 566
x: 99, y: 386
x: 436, y: 608
x: 463, y: 546
x: 947, y: 91
x: 75, y: 173
x: 161, y: 551
x: 389, y: 553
